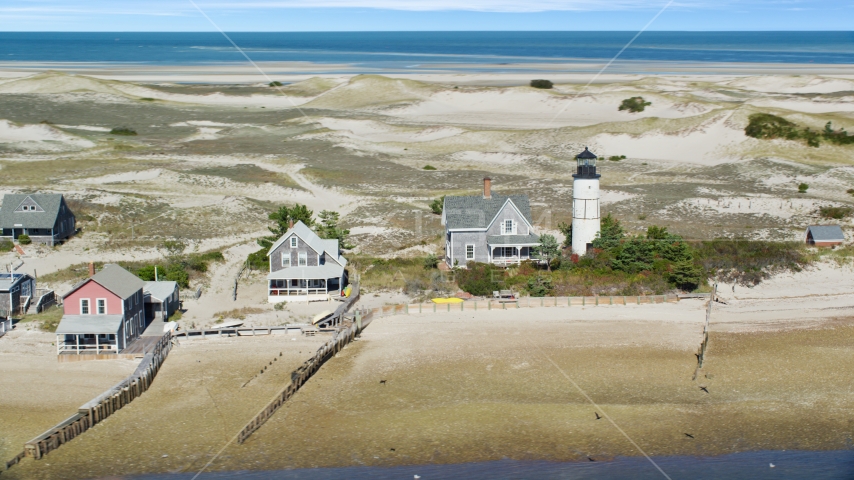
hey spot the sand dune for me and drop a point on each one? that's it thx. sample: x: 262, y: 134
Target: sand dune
x: 712, y: 143
x: 793, y: 84
x: 39, y: 137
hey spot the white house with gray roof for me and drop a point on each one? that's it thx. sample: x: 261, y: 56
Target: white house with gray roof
x: 488, y: 228
x: 44, y: 217
x: 305, y: 267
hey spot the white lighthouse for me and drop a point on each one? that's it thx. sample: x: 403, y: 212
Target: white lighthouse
x: 585, y: 202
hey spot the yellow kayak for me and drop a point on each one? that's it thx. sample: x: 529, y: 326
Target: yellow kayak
x: 448, y: 300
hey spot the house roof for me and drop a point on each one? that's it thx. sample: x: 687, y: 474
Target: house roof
x: 826, y: 233
x: 8, y: 280
x: 49, y: 202
x: 115, y: 279
x: 80, y: 324
x: 318, y: 272
x: 477, y: 212
x: 586, y: 154
x: 531, y: 239
x: 160, y: 290
x: 319, y: 245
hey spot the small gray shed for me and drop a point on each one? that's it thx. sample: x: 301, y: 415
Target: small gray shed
x: 824, y: 235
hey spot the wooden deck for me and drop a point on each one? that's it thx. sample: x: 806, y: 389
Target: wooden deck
x: 142, y: 345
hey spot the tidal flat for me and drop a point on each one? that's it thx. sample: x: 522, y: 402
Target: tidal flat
x: 480, y: 387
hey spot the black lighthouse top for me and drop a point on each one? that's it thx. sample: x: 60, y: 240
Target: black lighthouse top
x: 586, y: 165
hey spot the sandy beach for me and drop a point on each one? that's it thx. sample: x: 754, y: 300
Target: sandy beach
x: 480, y: 386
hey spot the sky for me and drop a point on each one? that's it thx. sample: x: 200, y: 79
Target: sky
x: 430, y: 15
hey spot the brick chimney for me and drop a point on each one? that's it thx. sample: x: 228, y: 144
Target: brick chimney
x: 290, y: 223
x: 487, y: 188
x: 91, y: 269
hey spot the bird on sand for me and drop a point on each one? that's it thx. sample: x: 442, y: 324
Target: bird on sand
x: 689, y: 435
x: 704, y: 389
x: 591, y: 459
x: 597, y: 415
x: 382, y: 382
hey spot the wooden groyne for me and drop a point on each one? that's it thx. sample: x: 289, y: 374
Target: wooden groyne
x: 701, y: 352
x: 299, y: 376
x: 101, y: 406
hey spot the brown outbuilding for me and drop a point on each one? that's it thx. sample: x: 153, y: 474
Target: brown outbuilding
x: 824, y: 235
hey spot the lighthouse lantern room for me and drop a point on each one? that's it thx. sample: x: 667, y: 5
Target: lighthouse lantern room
x: 585, y: 202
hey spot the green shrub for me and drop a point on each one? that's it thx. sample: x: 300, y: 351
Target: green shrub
x: 146, y: 273
x: 146, y: 99
x: 175, y: 273
x: 540, y: 286
x: 835, y: 213
x: 438, y: 205
x: 616, y: 158
x: 540, y: 83
x: 123, y: 131
x: 258, y: 260
x: 24, y: 239
x: 276, y: 83
x: 431, y: 261
x: 6, y: 245
x: 850, y: 191
x: 634, y: 104
x: 802, y: 188
x: 480, y: 278
x: 748, y: 262
x: 767, y: 126
x: 429, y: 167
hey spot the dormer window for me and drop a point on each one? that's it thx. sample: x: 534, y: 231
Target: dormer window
x: 294, y: 242
x: 509, y: 227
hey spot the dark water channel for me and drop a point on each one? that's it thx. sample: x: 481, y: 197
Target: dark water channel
x: 836, y: 465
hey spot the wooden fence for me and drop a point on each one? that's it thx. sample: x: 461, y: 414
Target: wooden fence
x: 299, y: 376
x: 101, y: 406
x: 526, y: 302
x: 701, y: 352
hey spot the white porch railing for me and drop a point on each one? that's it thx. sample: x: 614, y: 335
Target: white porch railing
x: 504, y: 261
x: 285, y: 292
x: 82, y: 345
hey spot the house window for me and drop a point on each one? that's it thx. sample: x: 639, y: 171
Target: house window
x: 286, y: 260
x: 469, y: 252
x: 504, y: 252
x: 102, y: 306
x: 84, y: 306
x: 303, y: 259
x: 509, y: 227
x: 294, y: 242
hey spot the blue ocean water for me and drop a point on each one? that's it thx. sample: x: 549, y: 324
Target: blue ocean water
x: 788, y: 465
x: 403, y: 50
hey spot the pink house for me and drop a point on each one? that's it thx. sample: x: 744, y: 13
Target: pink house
x: 103, y: 314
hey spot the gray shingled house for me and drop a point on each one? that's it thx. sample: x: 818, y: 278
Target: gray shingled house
x: 16, y: 291
x: 305, y: 267
x: 162, y: 299
x: 488, y: 228
x: 45, y: 217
